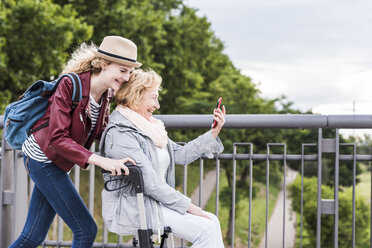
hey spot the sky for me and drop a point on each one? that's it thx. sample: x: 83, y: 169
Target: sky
x: 317, y: 53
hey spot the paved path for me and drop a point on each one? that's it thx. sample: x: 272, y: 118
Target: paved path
x: 209, y: 183
x: 275, y: 225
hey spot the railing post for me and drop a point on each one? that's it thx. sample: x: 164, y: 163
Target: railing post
x: 21, y: 193
x: 328, y: 206
x: 319, y: 191
x: 235, y: 146
x: 217, y: 184
x: 302, y: 186
x: 337, y: 168
x: 91, y: 182
x: 7, y: 196
x: 14, y: 194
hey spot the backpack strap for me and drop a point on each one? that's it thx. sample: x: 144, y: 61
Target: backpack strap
x: 32, y: 130
x: 77, y: 90
x: 76, y: 96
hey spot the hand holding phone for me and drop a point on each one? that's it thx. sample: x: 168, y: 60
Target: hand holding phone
x: 214, y: 123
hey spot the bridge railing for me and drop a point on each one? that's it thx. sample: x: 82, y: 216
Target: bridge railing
x: 16, y: 187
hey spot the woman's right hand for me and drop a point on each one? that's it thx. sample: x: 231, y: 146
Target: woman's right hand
x: 113, y: 165
x: 219, y: 117
x: 195, y: 210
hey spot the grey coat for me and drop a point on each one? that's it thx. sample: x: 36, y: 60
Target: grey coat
x: 119, y: 208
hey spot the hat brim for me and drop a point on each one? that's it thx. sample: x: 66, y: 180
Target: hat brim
x: 117, y: 60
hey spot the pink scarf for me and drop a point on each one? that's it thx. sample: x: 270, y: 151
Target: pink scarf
x: 153, y: 128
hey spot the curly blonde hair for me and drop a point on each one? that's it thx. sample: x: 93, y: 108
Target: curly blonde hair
x: 130, y: 93
x: 83, y: 59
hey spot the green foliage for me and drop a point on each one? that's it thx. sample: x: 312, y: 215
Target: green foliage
x: 171, y: 39
x: 345, y: 215
x: 34, y: 38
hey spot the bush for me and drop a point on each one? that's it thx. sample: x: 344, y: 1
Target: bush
x: 362, y: 217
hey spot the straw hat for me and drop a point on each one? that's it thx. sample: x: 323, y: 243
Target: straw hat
x: 119, y: 50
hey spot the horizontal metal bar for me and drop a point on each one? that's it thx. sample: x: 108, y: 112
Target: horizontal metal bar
x: 96, y: 244
x: 349, y: 121
x: 297, y: 121
x: 289, y: 157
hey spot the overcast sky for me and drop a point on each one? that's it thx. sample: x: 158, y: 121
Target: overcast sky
x: 318, y: 53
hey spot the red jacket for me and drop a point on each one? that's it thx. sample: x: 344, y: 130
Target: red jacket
x: 65, y: 141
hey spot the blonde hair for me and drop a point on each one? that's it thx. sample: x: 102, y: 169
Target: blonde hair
x: 83, y: 59
x: 130, y: 93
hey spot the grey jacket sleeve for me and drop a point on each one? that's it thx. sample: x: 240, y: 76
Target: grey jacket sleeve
x: 120, y: 144
x: 205, y: 145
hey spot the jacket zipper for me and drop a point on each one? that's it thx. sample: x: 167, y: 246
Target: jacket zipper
x: 82, y: 120
x: 170, y: 164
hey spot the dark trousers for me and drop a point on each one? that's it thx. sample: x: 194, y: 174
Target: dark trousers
x: 54, y: 193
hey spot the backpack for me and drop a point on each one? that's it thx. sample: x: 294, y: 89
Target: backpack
x: 21, y: 116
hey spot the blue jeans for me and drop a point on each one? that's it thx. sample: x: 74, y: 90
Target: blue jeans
x: 54, y: 193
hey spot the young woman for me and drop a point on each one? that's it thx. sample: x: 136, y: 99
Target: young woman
x: 133, y: 131
x: 51, y: 152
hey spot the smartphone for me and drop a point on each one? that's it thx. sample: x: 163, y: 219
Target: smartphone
x: 214, y: 123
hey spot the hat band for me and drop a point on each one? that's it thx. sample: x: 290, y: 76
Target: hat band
x: 116, y: 56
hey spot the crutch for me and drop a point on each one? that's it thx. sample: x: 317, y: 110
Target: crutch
x: 144, y: 233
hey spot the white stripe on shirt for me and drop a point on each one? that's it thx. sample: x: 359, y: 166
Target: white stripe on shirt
x: 32, y: 150
x: 95, y: 108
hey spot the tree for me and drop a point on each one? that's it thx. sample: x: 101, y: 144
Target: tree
x: 34, y: 37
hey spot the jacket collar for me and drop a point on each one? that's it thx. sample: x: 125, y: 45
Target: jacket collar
x: 85, y: 79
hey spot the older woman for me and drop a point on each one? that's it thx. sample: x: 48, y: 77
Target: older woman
x: 133, y: 132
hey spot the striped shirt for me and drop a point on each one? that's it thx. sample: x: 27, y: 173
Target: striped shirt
x: 31, y: 148
x: 94, y: 111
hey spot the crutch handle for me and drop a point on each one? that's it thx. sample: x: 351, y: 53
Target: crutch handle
x: 135, y: 177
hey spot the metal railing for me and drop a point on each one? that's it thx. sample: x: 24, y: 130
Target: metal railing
x: 15, y: 187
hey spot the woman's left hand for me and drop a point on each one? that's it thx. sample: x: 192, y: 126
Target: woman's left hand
x: 219, y: 117
x: 195, y: 210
